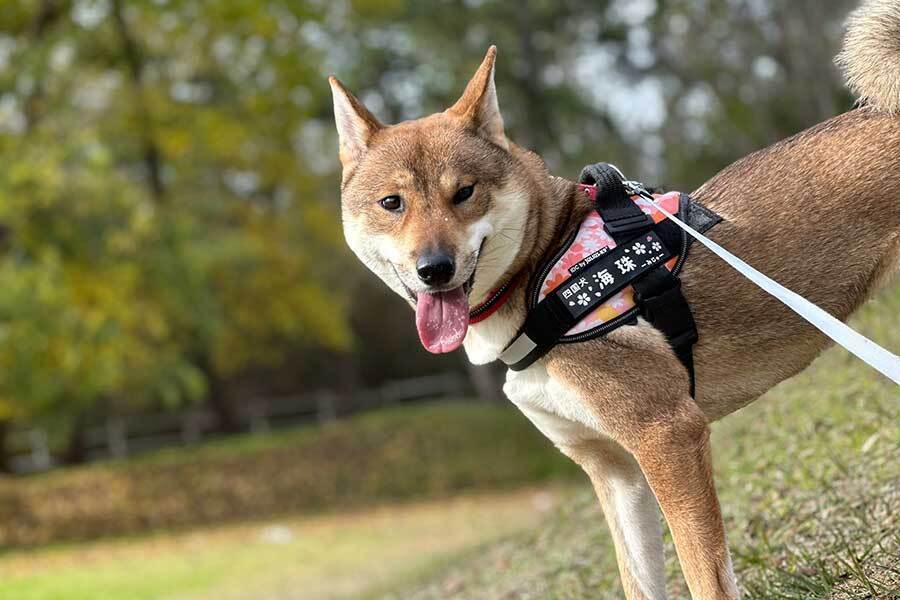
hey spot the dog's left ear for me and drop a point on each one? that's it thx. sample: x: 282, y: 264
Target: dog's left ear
x: 478, y: 104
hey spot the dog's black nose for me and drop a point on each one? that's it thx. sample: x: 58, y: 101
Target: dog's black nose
x: 435, y: 269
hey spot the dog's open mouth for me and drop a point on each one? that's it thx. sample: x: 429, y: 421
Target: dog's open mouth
x: 442, y: 318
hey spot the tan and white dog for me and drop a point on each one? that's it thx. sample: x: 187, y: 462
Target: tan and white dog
x: 445, y: 209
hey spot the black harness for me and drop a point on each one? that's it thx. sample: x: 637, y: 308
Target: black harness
x: 657, y: 290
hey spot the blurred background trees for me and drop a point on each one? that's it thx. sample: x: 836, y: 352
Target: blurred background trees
x: 169, y: 223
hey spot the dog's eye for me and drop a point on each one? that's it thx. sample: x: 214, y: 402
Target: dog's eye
x: 391, y: 203
x: 463, y: 194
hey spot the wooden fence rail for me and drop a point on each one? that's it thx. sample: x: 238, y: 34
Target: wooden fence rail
x: 125, y: 435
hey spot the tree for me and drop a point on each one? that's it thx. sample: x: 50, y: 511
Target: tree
x: 169, y: 196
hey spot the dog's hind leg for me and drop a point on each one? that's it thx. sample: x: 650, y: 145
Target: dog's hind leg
x: 631, y: 512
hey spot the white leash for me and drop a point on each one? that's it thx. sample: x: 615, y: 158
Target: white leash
x: 884, y: 361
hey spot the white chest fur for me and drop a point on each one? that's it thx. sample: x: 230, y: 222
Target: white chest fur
x: 556, y: 410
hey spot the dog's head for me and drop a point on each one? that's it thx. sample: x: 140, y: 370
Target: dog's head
x: 432, y: 206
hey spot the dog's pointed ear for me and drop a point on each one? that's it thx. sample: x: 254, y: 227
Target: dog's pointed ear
x: 355, y: 124
x: 478, y: 104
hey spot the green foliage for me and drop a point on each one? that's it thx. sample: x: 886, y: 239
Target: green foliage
x: 169, y: 191
x: 160, y: 227
x: 77, y: 304
x: 427, y: 451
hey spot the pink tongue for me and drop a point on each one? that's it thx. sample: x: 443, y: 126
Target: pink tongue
x: 442, y: 319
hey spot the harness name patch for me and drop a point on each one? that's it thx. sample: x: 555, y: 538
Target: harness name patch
x: 600, y: 278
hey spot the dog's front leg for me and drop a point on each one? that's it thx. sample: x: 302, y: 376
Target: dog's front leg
x: 644, y: 406
x: 558, y: 411
x: 631, y: 513
x: 674, y: 455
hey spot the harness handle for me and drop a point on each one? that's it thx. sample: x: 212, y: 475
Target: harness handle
x: 621, y: 216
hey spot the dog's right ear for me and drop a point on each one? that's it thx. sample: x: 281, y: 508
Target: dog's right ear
x: 355, y: 124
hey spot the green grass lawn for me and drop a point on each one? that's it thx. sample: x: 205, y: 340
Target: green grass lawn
x: 423, y: 451
x: 326, y: 556
x: 809, y: 479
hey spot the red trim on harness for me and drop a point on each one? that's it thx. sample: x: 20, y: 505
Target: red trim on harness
x: 495, y: 300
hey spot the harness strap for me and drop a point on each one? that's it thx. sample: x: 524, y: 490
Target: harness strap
x: 658, y: 293
x: 544, y: 325
x: 659, y: 298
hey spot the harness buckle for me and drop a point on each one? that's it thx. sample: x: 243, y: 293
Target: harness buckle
x: 635, y: 224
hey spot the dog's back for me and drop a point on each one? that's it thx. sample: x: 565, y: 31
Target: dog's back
x: 818, y: 212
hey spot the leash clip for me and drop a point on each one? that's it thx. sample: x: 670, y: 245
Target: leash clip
x: 634, y: 188
x: 637, y: 188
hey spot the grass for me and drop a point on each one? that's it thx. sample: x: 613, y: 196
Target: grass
x: 808, y: 477
x: 325, y: 556
x: 809, y: 480
x: 425, y: 451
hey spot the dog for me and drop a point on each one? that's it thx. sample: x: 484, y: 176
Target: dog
x: 445, y: 209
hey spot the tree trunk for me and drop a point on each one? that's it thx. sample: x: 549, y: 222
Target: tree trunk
x: 488, y: 381
x: 217, y: 399
x: 134, y: 60
x: 348, y: 384
x: 229, y: 419
x: 76, y: 449
x: 5, y: 429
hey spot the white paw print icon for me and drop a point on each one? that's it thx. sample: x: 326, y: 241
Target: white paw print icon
x: 639, y: 248
x: 583, y: 299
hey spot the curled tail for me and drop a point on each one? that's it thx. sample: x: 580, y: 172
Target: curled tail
x: 870, y: 58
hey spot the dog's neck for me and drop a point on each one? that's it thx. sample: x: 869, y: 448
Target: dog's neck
x: 556, y: 209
